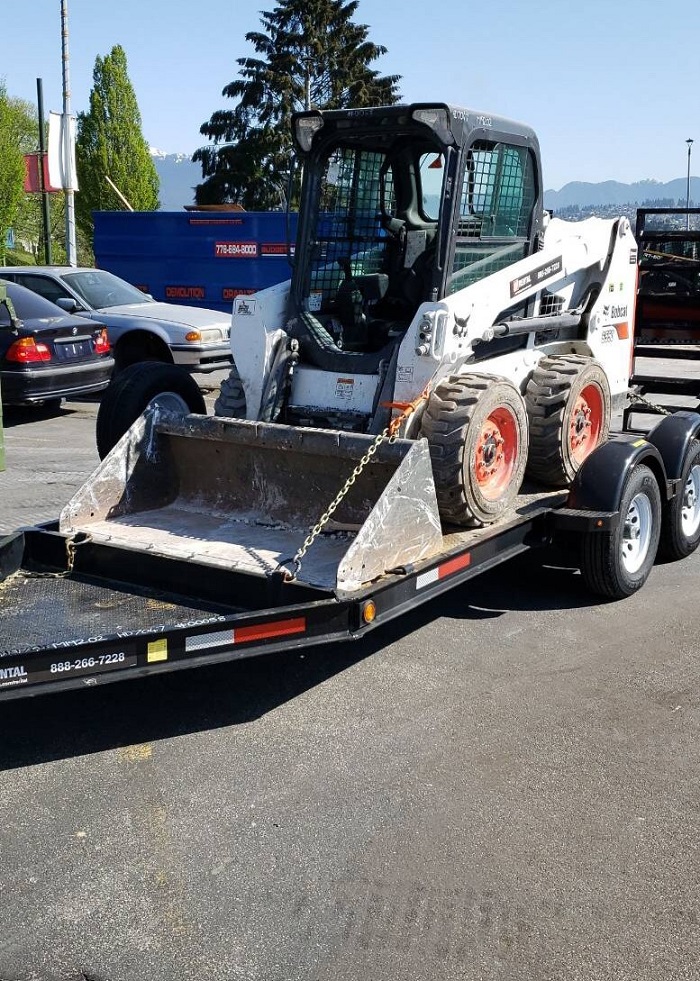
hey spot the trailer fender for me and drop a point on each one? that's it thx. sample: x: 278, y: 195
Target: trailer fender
x: 600, y: 483
x: 672, y: 438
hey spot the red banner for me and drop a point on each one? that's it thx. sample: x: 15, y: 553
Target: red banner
x: 32, y: 184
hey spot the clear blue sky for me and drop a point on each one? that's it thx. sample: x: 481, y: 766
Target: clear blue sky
x: 612, y: 87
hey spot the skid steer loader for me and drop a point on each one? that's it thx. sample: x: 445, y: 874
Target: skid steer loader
x: 439, y: 330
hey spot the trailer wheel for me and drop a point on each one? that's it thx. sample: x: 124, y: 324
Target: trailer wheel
x: 616, y: 564
x: 476, y: 427
x: 127, y: 395
x: 230, y: 401
x: 680, y: 523
x: 569, y: 408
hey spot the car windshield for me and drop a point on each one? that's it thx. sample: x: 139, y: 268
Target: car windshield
x: 100, y: 289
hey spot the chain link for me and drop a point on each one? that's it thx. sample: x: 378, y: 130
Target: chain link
x: 637, y: 399
x: 390, y: 435
x: 72, y: 544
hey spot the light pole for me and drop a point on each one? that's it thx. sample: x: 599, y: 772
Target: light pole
x: 68, y: 144
x: 687, y: 188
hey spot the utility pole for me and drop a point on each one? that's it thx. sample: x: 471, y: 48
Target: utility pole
x: 687, y: 189
x: 68, y: 148
x: 42, y: 183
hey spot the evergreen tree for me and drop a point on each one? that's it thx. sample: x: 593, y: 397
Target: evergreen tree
x: 17, y: 126
x: 311, y: 56
x: 109, y: 143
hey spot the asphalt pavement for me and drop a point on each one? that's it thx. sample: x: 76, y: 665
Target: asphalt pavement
x: 503, y: 784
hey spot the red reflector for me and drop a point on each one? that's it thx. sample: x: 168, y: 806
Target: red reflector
x: 263, y: 631
x: 27, y: 350
x: 101, y: 342
x: 460, y: 562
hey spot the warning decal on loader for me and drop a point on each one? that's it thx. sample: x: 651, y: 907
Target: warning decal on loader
x: 535, y: 277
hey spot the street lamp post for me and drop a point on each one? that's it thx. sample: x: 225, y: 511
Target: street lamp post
x: 687, y: 188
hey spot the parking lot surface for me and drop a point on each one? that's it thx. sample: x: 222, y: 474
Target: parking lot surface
x: 501, y: 784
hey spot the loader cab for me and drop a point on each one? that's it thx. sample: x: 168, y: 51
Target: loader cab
x: 402, y: 205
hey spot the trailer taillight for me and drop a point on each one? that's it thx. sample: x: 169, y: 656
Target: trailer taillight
x: 101, y: 342
x: 369, y: 611
x: 26, y: 350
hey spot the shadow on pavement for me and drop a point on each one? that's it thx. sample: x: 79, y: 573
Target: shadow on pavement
x: 18, y: 415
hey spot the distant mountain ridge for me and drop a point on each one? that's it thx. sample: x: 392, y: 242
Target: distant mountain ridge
x: 581, y: 194
x: 179, y: 176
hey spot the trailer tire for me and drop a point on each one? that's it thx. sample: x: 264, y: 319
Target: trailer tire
x: 680, y: 522
x: 617, y: 563
x: 133, y: 389
x: 569, y: 409
x: 476, y: 427
x: 230, y: 402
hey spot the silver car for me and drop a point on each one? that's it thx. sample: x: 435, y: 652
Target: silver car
x: 139, y: 327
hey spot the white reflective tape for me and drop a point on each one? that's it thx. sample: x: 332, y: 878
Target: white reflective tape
x: 426, y: 578
x: 215, y: 639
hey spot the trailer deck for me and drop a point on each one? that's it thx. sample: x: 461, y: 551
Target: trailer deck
x: 103, y: 619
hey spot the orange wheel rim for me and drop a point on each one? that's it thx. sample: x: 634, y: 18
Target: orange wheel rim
x: 496, y: 453
x: 585, y: 423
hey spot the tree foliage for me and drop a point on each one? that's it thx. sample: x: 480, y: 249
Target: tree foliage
x: 18, y: 131
x: 109, y: 143
x: 311, y: 56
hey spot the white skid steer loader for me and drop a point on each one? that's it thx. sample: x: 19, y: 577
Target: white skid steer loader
x: 433, y: 307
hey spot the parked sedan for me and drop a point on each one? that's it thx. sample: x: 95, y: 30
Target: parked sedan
x: 140, y: 328
x: 47, y: 354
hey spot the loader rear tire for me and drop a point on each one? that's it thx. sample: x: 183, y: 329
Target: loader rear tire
x: 476, y: 427
x: 230, y: 402
x: 133, y: 389
x: 569, y: 408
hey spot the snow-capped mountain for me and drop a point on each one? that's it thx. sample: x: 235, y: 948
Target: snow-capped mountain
x: 178, y: 178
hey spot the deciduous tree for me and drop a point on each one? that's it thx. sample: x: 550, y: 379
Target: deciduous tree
x: 109, y: 143
x: 18, y: 128
x: 310, y: 55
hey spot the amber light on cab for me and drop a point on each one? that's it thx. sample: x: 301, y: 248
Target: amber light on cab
x: 26, y: 350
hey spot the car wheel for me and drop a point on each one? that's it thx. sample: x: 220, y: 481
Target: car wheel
x: 129, y: 394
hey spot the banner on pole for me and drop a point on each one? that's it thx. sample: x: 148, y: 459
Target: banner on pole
x: 32, y: 182
x: 61, y: 154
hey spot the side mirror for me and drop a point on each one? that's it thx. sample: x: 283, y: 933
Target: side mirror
x: 68, y: 304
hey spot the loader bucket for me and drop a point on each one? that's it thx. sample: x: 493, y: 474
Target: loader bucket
x: 243, y: 495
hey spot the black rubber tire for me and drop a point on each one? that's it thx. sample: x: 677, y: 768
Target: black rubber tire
x: 602, y: 564
x: 551, y: 397
x: 676, y: 541
x: 130, y: 350
x: 127, y: 395
x: 456, y: 412
x: 230, y: 402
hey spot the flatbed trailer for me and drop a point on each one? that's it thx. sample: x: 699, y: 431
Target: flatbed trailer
x: 81, y: 609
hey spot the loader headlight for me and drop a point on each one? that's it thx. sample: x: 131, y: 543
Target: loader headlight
x: 438, y: 120
x: 305, y: 129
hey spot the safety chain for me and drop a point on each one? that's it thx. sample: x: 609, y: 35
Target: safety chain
x: 72, y: 544
x: 635, y: 399
x: 390, y: 435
